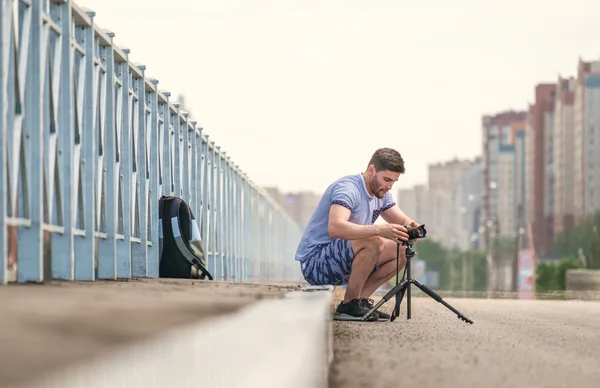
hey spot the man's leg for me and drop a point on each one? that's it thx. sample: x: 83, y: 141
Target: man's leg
x: 367, y: 253
x: 387, y: 268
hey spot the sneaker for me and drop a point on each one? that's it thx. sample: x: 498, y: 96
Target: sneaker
x: 353, y: 311
x: 368, y: 303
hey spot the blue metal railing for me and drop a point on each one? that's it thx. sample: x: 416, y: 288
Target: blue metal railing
x: 88, y: 146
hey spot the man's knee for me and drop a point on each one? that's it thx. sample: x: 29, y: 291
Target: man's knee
x: 372, y: 246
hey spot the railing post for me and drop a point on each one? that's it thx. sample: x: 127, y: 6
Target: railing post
x: 63, y: 244
x: 184, y: 142
x: 199, y: 188
x: 84, y: 245
x: 264, y: 235
x: 156, y: 160
x: 219, y: 214
x: 195, y: 172
x: 168, y: 136
x: 256, y: 235
x: 5, y: 53
x: 177, y: 157
x: 247, y: 248
x: 237, y: 221
x: 213, y: 209
x: 107, y: 247
x: 230, y: 221
x: 30, y: 142
x: 139, y: 248
x: 206, y: 176
x: 125, y: 191
x: 225, y: 217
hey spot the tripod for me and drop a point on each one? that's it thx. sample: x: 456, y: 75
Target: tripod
x: 403, y: 287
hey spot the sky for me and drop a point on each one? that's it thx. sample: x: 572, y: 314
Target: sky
x: 302, y: 92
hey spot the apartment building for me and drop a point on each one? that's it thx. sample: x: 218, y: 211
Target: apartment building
x: 539, y: 186
x: 520, y: 149
x: 444, y: 207
x: 563, y: 147
x: 579, y: 142
x: 511, y: 179
x: 530, y: 210
x: 450, y: 205
x: 415, y: 203
x: 469, y: 203
x: 591, y: 139
x: 500, y: 135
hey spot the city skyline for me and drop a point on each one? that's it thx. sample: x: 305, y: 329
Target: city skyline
x: 299, y: 107
x: 538, y: 176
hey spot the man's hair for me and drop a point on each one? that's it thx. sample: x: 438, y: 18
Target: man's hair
x: 387, y: 159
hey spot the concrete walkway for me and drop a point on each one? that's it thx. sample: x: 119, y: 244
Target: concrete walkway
x: 44, y: 328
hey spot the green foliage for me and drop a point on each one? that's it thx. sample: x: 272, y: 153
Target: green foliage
x: 545, y: 277
x: 480, y: 271
x: 453, y: 265
x: 468, y: 271
x: 585, y: 236
x: 436, y: 258
x: 505, y: 247
x: 432, y: 252
x: 551, y: 276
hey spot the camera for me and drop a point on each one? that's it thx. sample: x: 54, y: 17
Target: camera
x: 416, y: 232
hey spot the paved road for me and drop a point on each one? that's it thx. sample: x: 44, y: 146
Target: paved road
x: 512, y: 343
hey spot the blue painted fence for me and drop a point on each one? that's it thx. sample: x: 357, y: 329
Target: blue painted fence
x: 89, y: 144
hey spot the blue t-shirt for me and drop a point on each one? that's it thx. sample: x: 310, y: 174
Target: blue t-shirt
x: 350, y: 192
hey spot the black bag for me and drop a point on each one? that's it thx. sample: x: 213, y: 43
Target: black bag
x: 181, y: 250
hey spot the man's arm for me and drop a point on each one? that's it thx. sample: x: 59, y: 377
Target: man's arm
x: 340, y: 227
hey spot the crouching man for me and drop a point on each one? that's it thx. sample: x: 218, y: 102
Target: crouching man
x: 342, y: 245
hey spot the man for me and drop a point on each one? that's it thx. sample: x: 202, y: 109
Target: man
x: 342, y: 245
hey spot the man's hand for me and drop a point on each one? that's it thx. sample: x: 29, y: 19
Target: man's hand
x: 393, y: 232
x: 414, y: 224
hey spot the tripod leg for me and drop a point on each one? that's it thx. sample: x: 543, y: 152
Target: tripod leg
x: 408, y: 273
x: 399, y: 297
x: 438, y: 298
x: 397, y: 288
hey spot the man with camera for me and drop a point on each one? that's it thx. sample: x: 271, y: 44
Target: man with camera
x: 342, y: 244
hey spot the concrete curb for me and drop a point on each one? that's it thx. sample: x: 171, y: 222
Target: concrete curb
x: 279, y: 343
x: 583, y: 280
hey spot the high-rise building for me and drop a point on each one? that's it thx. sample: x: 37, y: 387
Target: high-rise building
x: 511, y: 179
x: 520, y: 147
x: 563, y: 147
x: 414, y: 202
x: 499, y: 172
x: 444, y: 208
x: 530, y: 210
x: 539, y: 185
x: 591, y: 138
x: 469, y: 204
x: 579, y: 144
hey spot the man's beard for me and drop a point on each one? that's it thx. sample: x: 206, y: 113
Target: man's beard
x: 374, y: 189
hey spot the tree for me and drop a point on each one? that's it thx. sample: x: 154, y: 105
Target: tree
x: 582, y: 237
x: 436, y: 258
